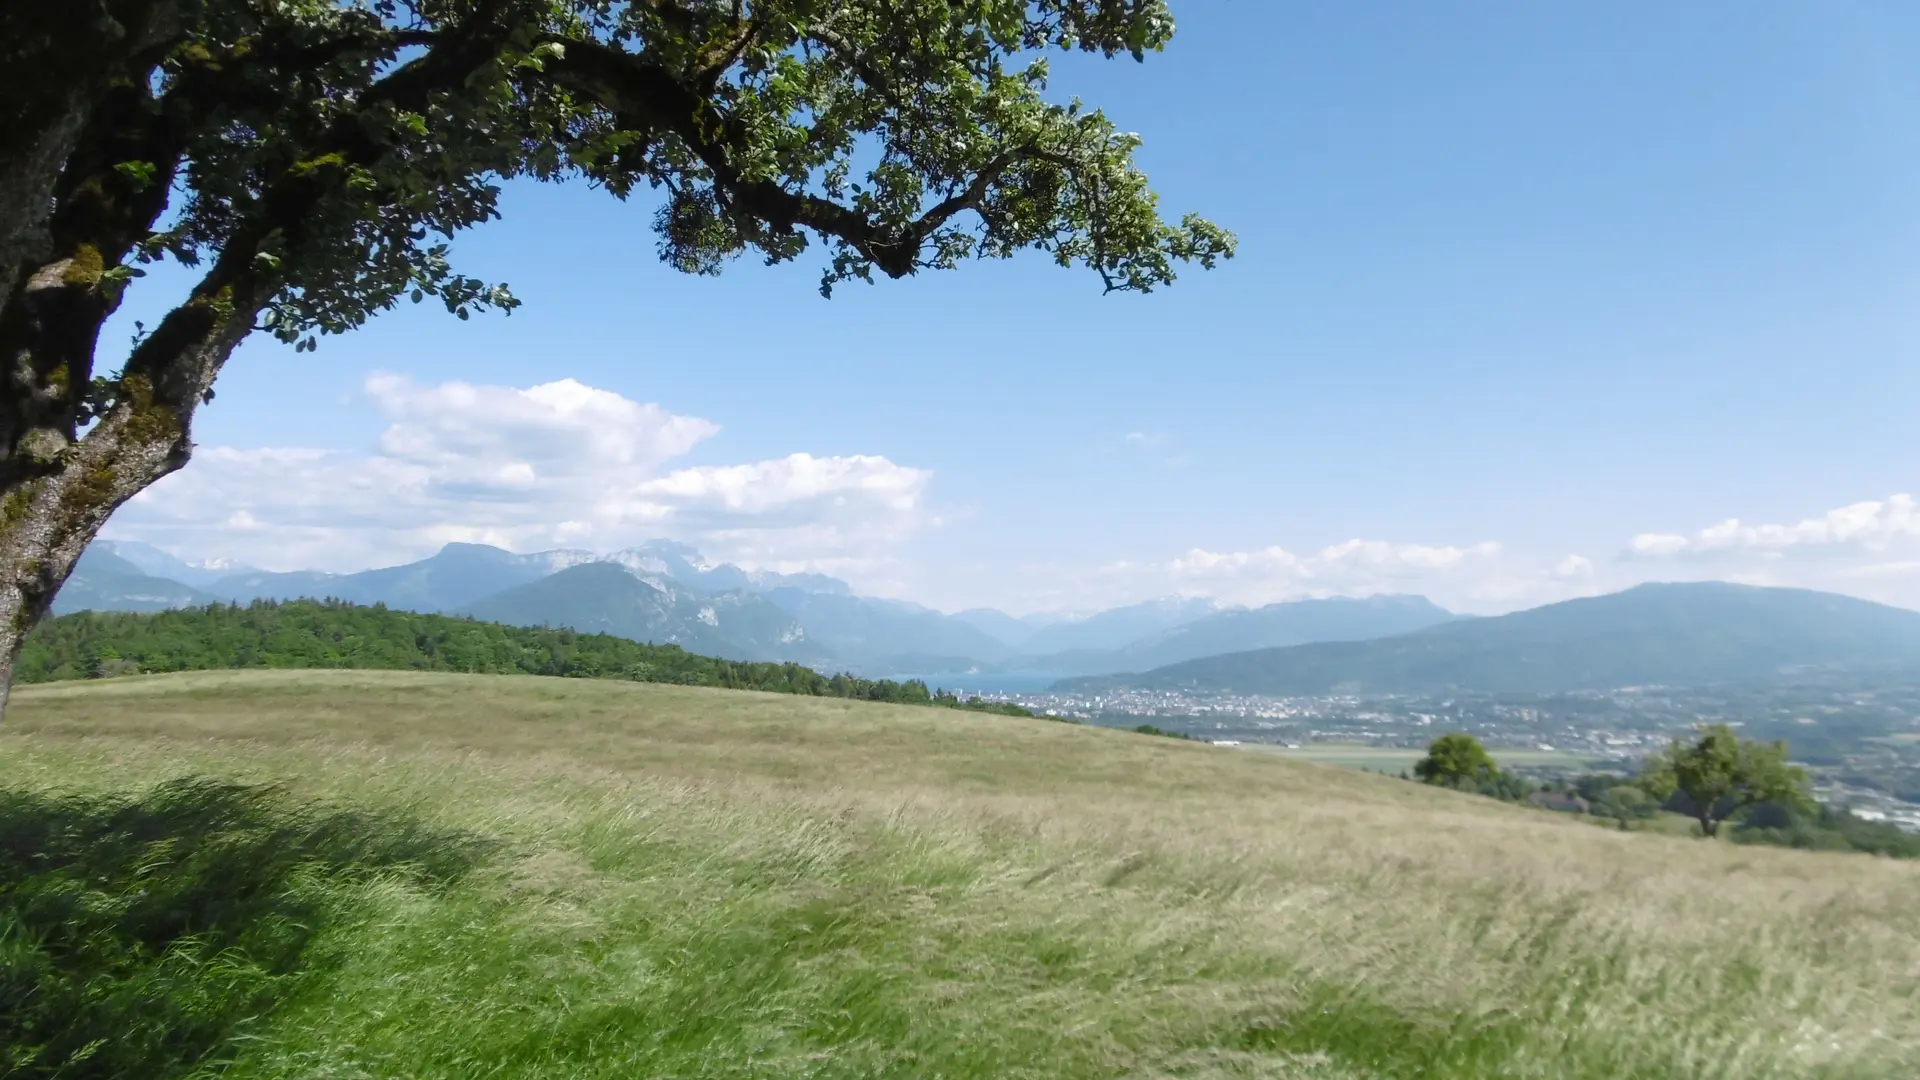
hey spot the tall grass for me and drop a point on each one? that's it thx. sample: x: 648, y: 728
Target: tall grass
x: 703, y: 885
x: 139, y: 934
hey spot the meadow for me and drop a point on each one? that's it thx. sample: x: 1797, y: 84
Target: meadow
x: 384, y: 874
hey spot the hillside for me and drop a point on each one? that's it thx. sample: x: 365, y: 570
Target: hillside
x: 310, y: 634
x: 523, y: 878
x: 1677, y: 634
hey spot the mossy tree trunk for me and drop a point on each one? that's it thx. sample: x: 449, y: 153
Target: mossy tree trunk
x: 74, y: 450
x: 73, y: 447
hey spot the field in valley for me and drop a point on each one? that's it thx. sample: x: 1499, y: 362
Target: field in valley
x: 1393, y: 760
x: 467, y: 876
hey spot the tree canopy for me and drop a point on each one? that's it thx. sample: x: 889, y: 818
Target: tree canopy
x: 314, y: 158
x: 1721, y: 774
x: 1455, y: 760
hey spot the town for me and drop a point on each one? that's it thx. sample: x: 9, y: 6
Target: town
x: 1858, y: 738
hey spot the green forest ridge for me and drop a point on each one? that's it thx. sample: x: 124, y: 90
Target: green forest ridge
x: 332, y: 634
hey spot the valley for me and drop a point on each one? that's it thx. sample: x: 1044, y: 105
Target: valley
x: 1605, y: 679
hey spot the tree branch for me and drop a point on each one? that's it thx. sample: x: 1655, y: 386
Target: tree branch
x: 633, y: 87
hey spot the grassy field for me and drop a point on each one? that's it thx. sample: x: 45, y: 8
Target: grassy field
x: 457, y: 876
x: 1393, y: 760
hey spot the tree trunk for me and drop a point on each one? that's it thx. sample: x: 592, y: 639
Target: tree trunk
x: 60, y: 57
x: 76, y: 73
x: 46, y: 522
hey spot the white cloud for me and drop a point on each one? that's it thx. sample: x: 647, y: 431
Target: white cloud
x: 559, y: 464
x: 1354, y: 567
x: 1480, y: 577
x: 798, y: 482
x: 1869, y: 549
x: 1872, y: 526
x: 1573, y: 568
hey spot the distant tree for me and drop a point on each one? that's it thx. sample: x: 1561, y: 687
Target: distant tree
x: 1505, y: 785
x: 1626, y: 802
x: 1721, y: 774
x: 1457, y: 761
x: 1824, y: 828
x: 313, y: 157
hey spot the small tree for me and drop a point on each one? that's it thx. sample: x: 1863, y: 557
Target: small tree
x: 1721, y: 774
x: 1456, y: 760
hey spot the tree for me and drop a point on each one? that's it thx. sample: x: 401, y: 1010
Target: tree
x: 313, y: 157
x: 1721, y: 774
x: 1456, y: 760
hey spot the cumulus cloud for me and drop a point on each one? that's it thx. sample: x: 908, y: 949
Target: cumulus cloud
x: 1871, y: 526
x: 561, y: 464
x: 1869, y: 549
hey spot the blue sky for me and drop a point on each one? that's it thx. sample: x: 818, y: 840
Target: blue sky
x: 1518, y: 284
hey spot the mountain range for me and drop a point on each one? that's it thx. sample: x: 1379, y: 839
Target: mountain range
x: 608, y: 598
x: 668, y: 592
x: 1689, y: 634
x: 665, y: 592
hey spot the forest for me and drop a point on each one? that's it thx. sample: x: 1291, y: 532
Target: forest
x: 333, y: 634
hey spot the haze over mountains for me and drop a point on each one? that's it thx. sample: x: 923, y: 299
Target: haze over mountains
x: 1689, y: 634
x: 668, y: 593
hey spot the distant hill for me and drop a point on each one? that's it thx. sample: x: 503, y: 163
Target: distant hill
x: 606, y: 598
x: 868, y: 632
x: 309, y: 634
x: 1676, y: 634
x: 1117, y: 627
x: 1010, y: 630
x: 457, y: 574
x: 103, y: 581
x: 1294, y: 622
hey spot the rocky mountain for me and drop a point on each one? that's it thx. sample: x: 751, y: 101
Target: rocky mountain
x: 157, y: 563
x: 685, y: 565
x: 606, y: 597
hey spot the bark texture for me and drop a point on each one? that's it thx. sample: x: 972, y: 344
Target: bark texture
x: 71, y: 452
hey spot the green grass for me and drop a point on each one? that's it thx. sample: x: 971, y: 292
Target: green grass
x: 454, y: 876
